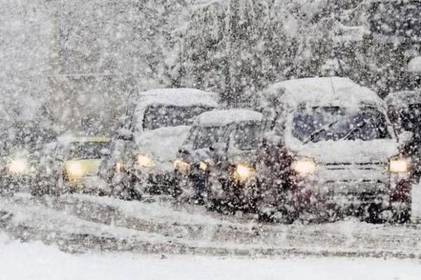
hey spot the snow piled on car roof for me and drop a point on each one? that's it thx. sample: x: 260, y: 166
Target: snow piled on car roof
x: 404, y: 98
x: 321, y: 91
x: 225, y: 117
x: 178, y: 97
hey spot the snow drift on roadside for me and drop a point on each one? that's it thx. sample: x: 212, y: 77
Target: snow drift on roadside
x: 27, y: 261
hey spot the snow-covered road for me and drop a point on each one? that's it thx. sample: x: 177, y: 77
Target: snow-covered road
x: 80, y: 223
x: 34, y: 261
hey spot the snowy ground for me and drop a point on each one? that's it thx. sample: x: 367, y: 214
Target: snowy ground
x: 103, y: 238
x: 26, y: 261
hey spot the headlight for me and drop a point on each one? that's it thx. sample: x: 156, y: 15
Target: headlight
x: 74, y: 170
x: 203, y: 166
x: 18, y: 166
x: 304, y: 167
x: 119, y: 167
x: 144, y: 161
x: 182, y: 166
x: 243, y: 172
x: 399, y: 165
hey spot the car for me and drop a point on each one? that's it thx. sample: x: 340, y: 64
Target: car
x: 215, y: 165
x: 404, y: 109
x: 20, y: 154
x: 71, y: 165
x: 152, y: 130
x: 332, y: 152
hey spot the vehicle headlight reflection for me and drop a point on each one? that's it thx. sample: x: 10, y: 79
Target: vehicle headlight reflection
x: 243, y: 172
x: 304, y: 167
x: 18, y: 166
x: 399, y: 165
x: 145, y: 161
x: 182, y: 166
x: 74, y: 170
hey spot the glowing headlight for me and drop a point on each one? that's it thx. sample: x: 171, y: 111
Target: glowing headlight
x: 304, y: 166
x: 18, y: 166
x: 119, y: 167
x: 144, y: 161
x: 243, y: 172
x: 399, y: 166
x: 182, y: 166
x: 74, y: 170
x: 203, y: 166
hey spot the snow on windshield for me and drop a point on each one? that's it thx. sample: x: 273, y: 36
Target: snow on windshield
x: 336, y: 123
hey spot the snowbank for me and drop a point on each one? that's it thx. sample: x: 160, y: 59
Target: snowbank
x: 30, y: 261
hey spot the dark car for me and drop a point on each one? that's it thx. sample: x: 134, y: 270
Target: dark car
x: 216, y: 164
x: 332, y: 152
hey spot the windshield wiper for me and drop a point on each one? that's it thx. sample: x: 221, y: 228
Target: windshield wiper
x: 352, y: 130
x: 323, y: 128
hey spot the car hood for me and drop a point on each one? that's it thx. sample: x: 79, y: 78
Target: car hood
x: 346, y: 151
x: 162, y: 144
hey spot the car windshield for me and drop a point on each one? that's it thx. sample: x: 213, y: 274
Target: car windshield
x: 396, y: 18
x: 157, y: 116
x: 336, y: 123
x: 246, y: 136
x: 205, y: 137
x: 86, y: 150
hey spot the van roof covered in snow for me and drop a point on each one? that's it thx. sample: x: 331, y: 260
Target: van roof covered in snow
x: 178, y: 97
x: 225, y: 117
x: 323, y: 91
x: 404, y: 98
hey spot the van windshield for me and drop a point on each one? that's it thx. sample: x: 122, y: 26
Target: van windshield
x: 157, y: 116
x: 336, y: 123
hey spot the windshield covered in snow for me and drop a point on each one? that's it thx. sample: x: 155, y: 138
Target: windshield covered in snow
x: 157, y: 116
x: 87, y: 150
x: 336, y: 123
x: 396, y: 18
x: 246, y: 136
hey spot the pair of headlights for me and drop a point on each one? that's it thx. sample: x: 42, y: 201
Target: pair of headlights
x: 241, y: 172
x: 305, y: 167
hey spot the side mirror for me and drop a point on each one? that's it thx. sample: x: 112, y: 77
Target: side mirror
x: 125, y: 134
x: 405, y: 137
